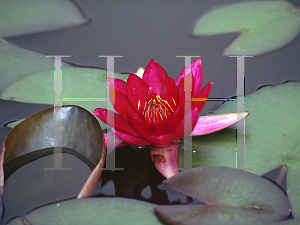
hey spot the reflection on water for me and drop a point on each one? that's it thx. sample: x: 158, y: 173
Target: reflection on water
x: 139, y: 179
x: 32, y: 186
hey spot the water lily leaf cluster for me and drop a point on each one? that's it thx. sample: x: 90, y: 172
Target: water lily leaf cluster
x: 28, y: 77
x: 17, y: 63
x: 264, y: 26
x: 219, y: 182
x: 272, y: 137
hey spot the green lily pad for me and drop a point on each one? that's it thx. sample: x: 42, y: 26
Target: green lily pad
x: 80, y: 132
x: 231, y: 196
x: 24, y: 17
x: 14, y: 123
x: 85, y: 87
x: 264, y: 25
x: 272, y: 137
x: 17, y: 63
x: 93, y: 211
x: 289, y: 222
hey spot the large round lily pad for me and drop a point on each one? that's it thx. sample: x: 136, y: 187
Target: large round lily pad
x: 264, y: 25
x: 272, y: 137
x: 17, y: 63
x: 93, y: 211
x: 85, y: 87
x: 289, y: 222
x: 231, y: 196
x: 24, y: 17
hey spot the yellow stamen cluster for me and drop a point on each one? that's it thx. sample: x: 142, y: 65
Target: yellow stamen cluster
x: 156, y: 110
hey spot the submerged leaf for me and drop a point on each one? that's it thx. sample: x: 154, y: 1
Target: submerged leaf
x: 264, y: 25
x: 231, y: 196
x: 24, y: 17
x: 36, y: 184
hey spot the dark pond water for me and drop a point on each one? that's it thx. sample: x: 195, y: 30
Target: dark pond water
x: 138, y: 30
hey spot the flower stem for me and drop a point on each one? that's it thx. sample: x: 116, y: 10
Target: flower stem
x: 165, y: 159
x: 94, y: 178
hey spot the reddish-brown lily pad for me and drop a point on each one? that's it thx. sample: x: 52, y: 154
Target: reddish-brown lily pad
x: 34, y: 138
x: 81, y: 132
x: 231, y: 196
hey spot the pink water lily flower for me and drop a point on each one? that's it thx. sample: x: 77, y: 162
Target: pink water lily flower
x: 151, y: 112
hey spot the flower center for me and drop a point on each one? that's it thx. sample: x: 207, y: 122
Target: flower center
x: 157, y: 110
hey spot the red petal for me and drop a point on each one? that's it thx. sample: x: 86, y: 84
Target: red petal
x: 196, y: 68
x: 156, y: 134
x: 160, y: 141
x: 161, y: 128
x: 196, y: 109
x: 169, y: 92
x: 119, y: 85
x: 179, y: 133
x: 137, y: 92
x: 155, y: 76
x: 212, y: 123
x: 151, y: 94
x: 176, y: 118
x: 119, y: 122
x: 166, y: 159
x: 123, y: 106
x: 143, y: 128
x: 202, y: 95
x: 117, y: 140
x: 181, y: 91
x: 131, y: 139
x: 147, y: 130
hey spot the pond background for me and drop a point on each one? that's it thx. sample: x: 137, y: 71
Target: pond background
x: 139, y: 31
